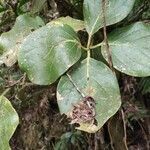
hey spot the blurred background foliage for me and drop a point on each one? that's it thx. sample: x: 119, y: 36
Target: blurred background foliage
x: 41, y: 126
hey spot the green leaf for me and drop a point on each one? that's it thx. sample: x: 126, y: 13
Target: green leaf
x: 100, y: 85
x: 116, y: 10
x: 49, y: 52
x: 10, y: 41
x: 130, y: 48
x: 37, y: 5
x: 8, y: 122
x: 76, y: 24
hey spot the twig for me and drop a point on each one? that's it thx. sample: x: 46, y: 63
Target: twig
x: 4, y: 93
x: 125, y: 132
x: 105, y: 35
x: 21, y: 81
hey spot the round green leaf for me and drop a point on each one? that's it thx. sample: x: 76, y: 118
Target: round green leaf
x: 48, y: 52
x: 101, y: 85
x: 8, y: 122
x: 130, y: 48
x: 116, y: 10
x: 10, y: 41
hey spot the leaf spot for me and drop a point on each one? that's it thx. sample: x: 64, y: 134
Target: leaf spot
x: 59, y: 97
x: 90, y: 91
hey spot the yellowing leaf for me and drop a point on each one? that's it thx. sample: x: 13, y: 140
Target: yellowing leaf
x: 10, y: 41
x: 8, y: 122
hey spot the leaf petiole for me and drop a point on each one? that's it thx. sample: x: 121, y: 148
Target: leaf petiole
x: 84, y: 48
x: 88, y: 56
x: 98, y: 45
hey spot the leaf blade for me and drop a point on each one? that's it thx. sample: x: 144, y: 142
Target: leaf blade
x: 8, y: 122
x: 102, y: 86
x: 10, y: 41
x: 76, y: 24
x: 130, y: 49
x: 48, y: 52
x: 116, y: 10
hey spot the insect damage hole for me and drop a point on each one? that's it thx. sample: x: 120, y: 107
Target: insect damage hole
x: 84, y: 111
